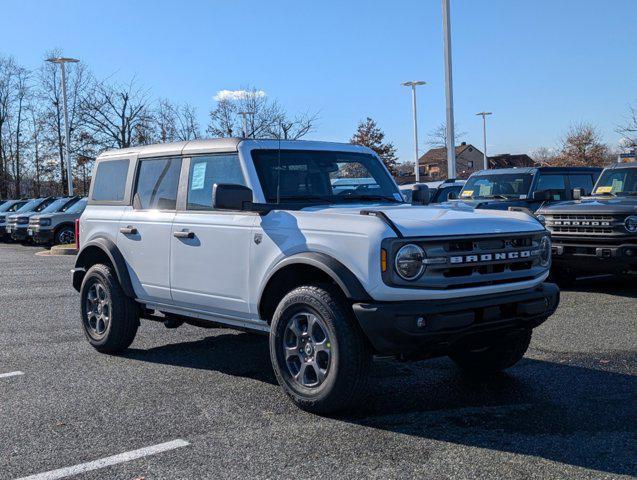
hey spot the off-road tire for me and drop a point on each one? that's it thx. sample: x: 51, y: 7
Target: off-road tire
x: 124, y: 312
x: 504, y: 354
x: 350, y: 359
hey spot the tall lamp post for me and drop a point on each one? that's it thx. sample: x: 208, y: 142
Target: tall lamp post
x: 244, y: 122
x: 451, y: 147
x: 484, y: 137
x: 67, y: 134
x: 413, y: 85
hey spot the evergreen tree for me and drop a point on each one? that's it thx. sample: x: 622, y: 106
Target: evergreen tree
x: 370, y: 135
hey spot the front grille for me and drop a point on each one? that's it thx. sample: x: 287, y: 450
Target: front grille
x: 583, y: 224
x: 473, y: 262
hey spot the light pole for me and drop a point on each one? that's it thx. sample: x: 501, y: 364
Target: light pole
x: 413, y: 85
x: 67, y: 133
x: 244, y: 122
x: 484, y: 137
x: 451, y: 147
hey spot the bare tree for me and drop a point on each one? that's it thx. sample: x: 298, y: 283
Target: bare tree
x: 582, y: 145
x: 22, y: 90
x: 438, y: 136
x: 118, y: 115
x: 7, y: 73
x: 629, y: 129
x: 265, y: 117
x: 187, y: 124
x: 176, y: 123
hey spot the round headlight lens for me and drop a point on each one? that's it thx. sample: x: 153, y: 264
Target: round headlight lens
x: 541, y: 219
x: 45, y: 222
x: 545, y: 251
x: 409, y: 261
x: 631, y: 223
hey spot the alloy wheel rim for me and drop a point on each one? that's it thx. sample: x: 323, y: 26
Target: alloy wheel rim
x: 98, y: 310
x: 307, y: 349
x: 67, y: 236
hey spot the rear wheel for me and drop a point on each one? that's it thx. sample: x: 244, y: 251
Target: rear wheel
x: 110, y: 318
x: 504, y: 354
x: 319, y: 355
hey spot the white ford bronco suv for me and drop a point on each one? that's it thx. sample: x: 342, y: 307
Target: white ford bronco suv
x: 311, y: 243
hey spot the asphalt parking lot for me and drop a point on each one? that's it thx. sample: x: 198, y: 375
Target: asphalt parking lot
x: 568, y: 410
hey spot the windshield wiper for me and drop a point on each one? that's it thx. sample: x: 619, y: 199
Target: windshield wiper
x: 610, y: 194
x: 499, y: 197
x: 302, y: 198
x: 370, y: 198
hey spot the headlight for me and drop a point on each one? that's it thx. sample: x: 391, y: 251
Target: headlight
x: 409, y: 261
x: 545, y: 251
x: 45, y: 222
x: 631, y: 223
x: 541, y: 219
x: 23, y: 220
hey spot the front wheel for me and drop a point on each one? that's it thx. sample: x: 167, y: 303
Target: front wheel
x: 504, y: 354
x: 65, y: 235
x: 110, y: 318
x: 319, y: 355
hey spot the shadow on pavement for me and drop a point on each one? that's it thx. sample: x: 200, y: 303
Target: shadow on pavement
x: 625, y: 286
x: 562, y: 412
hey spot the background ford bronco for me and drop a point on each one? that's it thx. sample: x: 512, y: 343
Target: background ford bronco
x: 250, y: 234
x: 597, y: 233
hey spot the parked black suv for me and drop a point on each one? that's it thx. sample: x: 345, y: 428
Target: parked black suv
x: 597, y: 233
x: 526, y: 188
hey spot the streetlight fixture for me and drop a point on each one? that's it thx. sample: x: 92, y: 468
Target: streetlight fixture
x: 413, y: 84
x: 484, y: 136
x: 451, y: 147
x: 67, y: 134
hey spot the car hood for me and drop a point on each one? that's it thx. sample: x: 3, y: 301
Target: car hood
x: 593, y: 205
x: 414, y: 221
x: 491, y: 204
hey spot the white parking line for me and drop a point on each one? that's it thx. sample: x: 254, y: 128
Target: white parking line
x: 10, y: 374
x: 108, y: 461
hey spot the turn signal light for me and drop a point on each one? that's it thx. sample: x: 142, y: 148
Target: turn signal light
x: 383, y: 260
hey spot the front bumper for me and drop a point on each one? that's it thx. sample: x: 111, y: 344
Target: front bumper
x: 19, y: 233
x: 595, y: 256
x: 40, y: 234
x: 433, y: 328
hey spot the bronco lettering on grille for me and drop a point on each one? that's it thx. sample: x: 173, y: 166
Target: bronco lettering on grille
x: 490, y: 257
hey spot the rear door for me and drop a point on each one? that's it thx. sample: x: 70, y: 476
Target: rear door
x: 145, y: 227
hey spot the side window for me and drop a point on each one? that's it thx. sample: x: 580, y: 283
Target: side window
x: 585, y: 182
x: 157, y: 183
x: 554, y: 183
x: 207, y: 170
x: 110, y: 181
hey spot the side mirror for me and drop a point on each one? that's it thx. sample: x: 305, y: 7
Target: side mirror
x: 227, y: 196
x: 452, y: 196
x: 420, y: 195
x: 541, y: 196
x: 577, y: 194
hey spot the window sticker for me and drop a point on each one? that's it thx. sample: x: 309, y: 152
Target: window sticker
x: 198, y: 176
x: 485, y: 190
x: 467, y: 193
x: 604, y: 189
x: 618, y: 185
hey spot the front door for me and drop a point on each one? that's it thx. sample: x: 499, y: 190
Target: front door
x: 209, y: 260
x: 145, y: 229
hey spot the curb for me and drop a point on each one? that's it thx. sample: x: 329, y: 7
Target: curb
x: 58, y: 250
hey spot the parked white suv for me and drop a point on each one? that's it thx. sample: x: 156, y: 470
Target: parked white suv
x: 252, y: 234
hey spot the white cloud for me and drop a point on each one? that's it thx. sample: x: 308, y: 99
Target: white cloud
x: 236, y: 94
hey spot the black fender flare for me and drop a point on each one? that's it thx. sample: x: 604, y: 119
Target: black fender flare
x: 342, y: 276
x: 82, y: 263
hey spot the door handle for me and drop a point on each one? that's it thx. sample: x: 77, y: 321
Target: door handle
x: 184, y: 234
x: 128, y: 230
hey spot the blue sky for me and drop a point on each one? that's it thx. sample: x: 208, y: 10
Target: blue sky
x: 538, y: 65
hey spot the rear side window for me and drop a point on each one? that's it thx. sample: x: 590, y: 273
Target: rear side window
x: 205, y: 171
x: 157, y: 184
x: 555, y: 184
x: 585, y: 182
x: 110, y: 181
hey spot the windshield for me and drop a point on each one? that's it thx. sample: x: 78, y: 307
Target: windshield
x: 499, y: 185
x: 11, y: 206
x: 314, y: 176
x: 77, y: 207
x: 29, y: 206
x: 621, y: 181
x: 56, y: 205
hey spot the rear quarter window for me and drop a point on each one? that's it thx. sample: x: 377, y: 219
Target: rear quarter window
x: 109, y: 184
